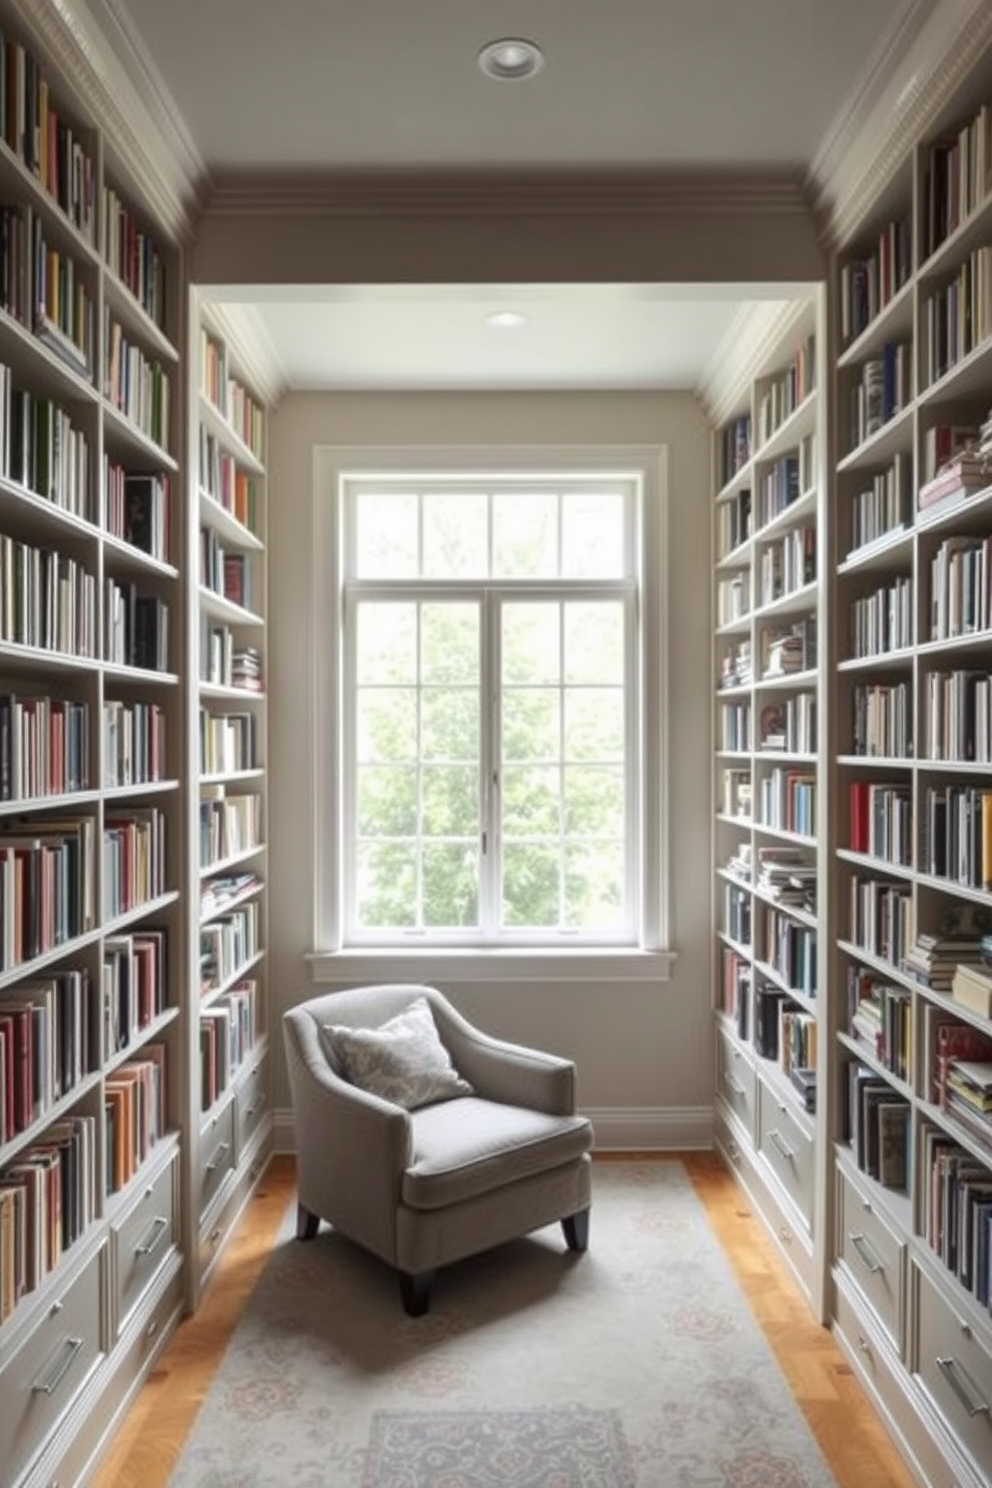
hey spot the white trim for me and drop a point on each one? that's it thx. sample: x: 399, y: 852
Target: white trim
x: 477, y: 964
x: 331, y: 463
x: 616, y: 1129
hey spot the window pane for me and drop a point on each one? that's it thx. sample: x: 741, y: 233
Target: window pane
x: 531, y: 802
x: 456, y: 536
x: 450, y: 724
x: 594, y: 723
x: 531, y: 643
x: 450, y: 801
x: 387, y: 724
x: 594, y: 879
x: 531, y: 874
x: 387, y: 885
x: 594, y: 801
x: 531, y: 728
x: 386, y: 646
x: 449, y: 643
x: 594, y: 648
x: 525, y: 535
x: 451, y: 879
x: 592, y: 536
x: 386, y: 536
x: 387, y: 801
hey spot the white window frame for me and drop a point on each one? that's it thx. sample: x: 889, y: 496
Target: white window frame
x: 331, y: 959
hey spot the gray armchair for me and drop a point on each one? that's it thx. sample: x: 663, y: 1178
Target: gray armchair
x: 427, y: 1186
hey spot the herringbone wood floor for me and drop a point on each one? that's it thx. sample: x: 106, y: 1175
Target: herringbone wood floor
x: 853, y: 1440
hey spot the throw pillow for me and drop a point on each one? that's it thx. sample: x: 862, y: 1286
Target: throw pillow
x: 403, y: 1061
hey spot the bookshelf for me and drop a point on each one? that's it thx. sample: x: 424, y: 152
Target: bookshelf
x: 910, y: 847
x: 92, y: 801
x: 769, y: 794
x: 228, y: 1035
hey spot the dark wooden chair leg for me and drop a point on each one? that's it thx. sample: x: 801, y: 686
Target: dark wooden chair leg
x: 576, y: 1228
x: 415, y: 1290
x: 307, y: 1224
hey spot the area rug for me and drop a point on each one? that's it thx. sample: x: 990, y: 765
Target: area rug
x: 635, y: 1365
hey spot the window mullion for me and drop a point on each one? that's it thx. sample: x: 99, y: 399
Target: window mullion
x: 489, y: 735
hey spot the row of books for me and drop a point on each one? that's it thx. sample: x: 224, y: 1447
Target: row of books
x: 869, y: 280
x: 135, y: 627
x: 134, y: 743
x: 782, y: 394
x: 44, y: 746
x: 228, y: 742
x: 228, y: 394
x: 957, y: 1212
x: 42, y: 288
x: 135, y: 384
x: 221, y: 889
x: 957, y: 316
x: 789, y: 724
x: 42, y: 448
x: 878, y: 1127
x: 134, y: 985
x: 882, y: 720
x: 790, y: 949
x: 228, y: 1031
x: 135, y: 1112
x: 47, y: 599
x: 883, y: 389
x: 47, y: 1200
x: 223, y: 481
x: 882, y: 621
x: 733, y: 522
x: 880, y: 820
x: 787, y: 565
x: 138, y: 508
x: 47, y: 886
x: 134, y: 859
x: 134, y: 256
x: 46, y: 1047
x: 229, y: 824
x: 227, y: 943
x: 225, y: 662
x: 880, y: 1018
x: 880, y: 917
x: 883, y: 507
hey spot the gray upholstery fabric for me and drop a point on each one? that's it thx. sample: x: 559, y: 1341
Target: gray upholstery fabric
x: 427, y: 1187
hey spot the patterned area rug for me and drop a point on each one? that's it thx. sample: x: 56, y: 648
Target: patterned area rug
x: 559, y: 1447
x: 636, y: 1365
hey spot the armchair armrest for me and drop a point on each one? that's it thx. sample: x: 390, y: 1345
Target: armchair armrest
x: 502, y: 1071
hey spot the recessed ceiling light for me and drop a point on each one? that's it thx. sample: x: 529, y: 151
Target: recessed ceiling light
x: 506, y: 320
x: 511, y: 59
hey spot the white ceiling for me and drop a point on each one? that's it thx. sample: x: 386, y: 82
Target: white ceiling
x: 367, y: 85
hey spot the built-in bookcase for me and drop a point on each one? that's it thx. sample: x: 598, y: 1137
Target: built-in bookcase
x: 92, y: 805
x: 911, y: 835
x: 228, y: 758
x: 768, y: 787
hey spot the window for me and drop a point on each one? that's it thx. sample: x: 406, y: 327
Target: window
x: 487, y: 776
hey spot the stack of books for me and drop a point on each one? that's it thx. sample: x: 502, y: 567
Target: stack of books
x: 964, y: 476
x: 968, y: 1095
x: 971, y: 985
x: 934, y: 959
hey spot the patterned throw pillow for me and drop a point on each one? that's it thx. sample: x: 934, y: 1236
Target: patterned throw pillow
x: 403, y: 1061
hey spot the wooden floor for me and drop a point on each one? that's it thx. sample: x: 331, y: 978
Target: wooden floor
x: 850, y: 1435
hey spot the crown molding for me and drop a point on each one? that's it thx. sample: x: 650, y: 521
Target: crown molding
x: 753, y: 342
x: 120, y: 92
x: 913, y: 77
x: 506, y: 194
x: 241, y: 327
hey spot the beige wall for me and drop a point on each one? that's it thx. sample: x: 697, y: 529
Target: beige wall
x: 641, y: 1049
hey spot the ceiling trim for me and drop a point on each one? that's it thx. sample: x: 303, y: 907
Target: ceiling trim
x: 506, y: 193
x: 918, y: 73
x: 123, y: 95
x: 753, y: 339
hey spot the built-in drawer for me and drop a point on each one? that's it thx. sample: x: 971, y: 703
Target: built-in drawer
x: 251, y: 1101
x: 954, y: 1364
x: 222, y: 1219
x: 793, y: 1242
x: 143, y: 1237
x: 889, y: 1386
x: 874, y: 1254
x: 735, y: 1080
x: 787, y: 1148
x: 216, y: 1157
x: 42, y: 1378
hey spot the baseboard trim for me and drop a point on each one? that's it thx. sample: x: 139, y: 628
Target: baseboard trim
x: 617, y: 1128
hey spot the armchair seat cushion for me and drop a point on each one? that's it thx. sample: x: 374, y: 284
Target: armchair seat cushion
x: 469, y: 1146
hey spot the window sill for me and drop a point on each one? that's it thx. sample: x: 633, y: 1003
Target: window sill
x: 368, y: 963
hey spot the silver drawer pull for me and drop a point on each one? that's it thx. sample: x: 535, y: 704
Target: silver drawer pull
x: 950, y: 1368
x: 775, y: 1137
x: 158, y: 1228
x: 69, y: 1347
x: 865, y: 1254
x: 734, y: 1083
x: 258, y: 1105
x: 218, y: 1157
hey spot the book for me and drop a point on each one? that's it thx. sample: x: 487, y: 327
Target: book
x: 893, y: 1143
x: 972, y: 988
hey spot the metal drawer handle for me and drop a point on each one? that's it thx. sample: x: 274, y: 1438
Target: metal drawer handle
x: 734, y: 1083
x: 158, y: 1227
x: 775, y: 1137
x: 218, y: 1157
x: 256, y: 1106
x: 865, y: 1254
x: 949, y: 1367
x: 50, y: 1385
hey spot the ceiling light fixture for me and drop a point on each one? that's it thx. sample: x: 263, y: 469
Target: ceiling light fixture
x: 511, y: 59
x: 506, y: 320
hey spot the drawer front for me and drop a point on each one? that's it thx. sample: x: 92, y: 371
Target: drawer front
x: 792, y: 1242
x: 787, y: 1148
x: 736, y: 1080
x: 216, y: 1154
x: 144, y: 1237
x: 44, y: 1376
x: 954, y: 1363
x: 251, y: 1101
x: 873, y: 1253
x: 214, y: 1234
